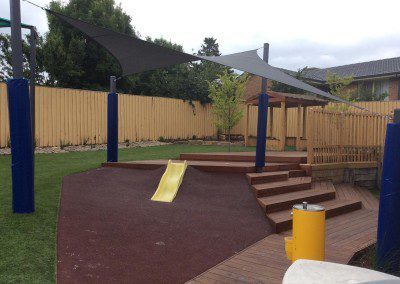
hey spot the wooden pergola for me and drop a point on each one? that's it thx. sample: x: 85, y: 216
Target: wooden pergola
x: 285, y: 101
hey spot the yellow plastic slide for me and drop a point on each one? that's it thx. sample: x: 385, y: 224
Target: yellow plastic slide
x: 170, y: 182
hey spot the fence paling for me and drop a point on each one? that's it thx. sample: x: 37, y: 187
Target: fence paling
x: 77, y: 116
x: 344, y: 137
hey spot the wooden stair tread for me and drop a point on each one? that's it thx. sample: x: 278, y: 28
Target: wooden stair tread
x: 297, y: 173
x: 254, y: 175
x: 256, y: 178
x: 282, y: 220
x: 282, y: 187
x: 290, y: 181
x: 287, y: 200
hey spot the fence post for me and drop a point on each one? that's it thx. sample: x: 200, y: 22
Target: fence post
x: 388, y: 241
x: 112, y: 122
x: 310, y: 136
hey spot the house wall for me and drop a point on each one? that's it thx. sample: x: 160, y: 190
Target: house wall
x: 394, y: 89
x: 253, y: 86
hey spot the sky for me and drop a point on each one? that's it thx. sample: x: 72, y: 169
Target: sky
x: 313, y: 33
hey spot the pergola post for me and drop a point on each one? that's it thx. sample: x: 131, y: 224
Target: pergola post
x: 246, y: 132
x: 298, y: 132
x: 304, y: 135
x: 283, y: 126
x: 112, y: 122
x: 271, y: 122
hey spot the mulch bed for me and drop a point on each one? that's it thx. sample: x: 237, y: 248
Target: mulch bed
x: 110, y: 231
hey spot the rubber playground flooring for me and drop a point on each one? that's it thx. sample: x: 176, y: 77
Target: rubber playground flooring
x: 110, y: 231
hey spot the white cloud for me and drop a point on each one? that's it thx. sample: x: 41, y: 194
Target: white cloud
x: 301, y: 33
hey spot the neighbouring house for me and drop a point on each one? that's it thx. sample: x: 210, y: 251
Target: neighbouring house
x: 378, y: 77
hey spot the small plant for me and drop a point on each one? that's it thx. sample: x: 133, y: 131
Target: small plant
x: 161, y: 139
x: 8, y: 143
x: 85, y: 141
x: 127, y: 142
x: 64, y: 144
x: 35, y: 143
x: 194, y: 137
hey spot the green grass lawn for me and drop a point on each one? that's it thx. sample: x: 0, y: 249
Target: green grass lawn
x: 27, y: 241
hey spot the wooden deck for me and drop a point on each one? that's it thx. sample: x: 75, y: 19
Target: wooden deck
x: 210, y: 166
x: 272, y: 157
x: 265, y: 261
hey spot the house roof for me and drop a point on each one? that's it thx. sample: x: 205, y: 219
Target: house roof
x: 362, y: 70
x: 292, y: 100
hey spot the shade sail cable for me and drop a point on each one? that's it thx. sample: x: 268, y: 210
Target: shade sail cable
x: 136, y: 55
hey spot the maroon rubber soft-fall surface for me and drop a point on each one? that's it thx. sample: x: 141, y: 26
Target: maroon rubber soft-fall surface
x: 110, y: 231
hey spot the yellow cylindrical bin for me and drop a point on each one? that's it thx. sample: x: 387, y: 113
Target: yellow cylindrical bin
x: 308, y: 241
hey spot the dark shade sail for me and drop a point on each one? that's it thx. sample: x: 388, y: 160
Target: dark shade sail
x: 133, y: 54
x: 136, y: 55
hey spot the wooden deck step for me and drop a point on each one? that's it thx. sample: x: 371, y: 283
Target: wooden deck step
x: 282, y: 220
x: 257, y: 178
x: 281, y: 187
x: 286, y: 201
x: 274, y: 167
x: 270, y: 157
x: 297, y: 173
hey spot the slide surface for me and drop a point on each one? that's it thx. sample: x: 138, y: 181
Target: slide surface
x: 170, y: 182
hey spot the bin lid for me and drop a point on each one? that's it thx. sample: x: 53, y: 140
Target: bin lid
x: 308, y: 207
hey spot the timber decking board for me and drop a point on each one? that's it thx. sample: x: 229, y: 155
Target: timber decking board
x: 257, y: 178
x: 282, y: 220
x: 286, y: 201
x: 345, y: 190
x: 265, y: 261
x: 274, y: 157
x: 281, y: 187
x: 213, y: 166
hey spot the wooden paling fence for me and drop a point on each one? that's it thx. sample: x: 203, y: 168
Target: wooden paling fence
x: 75, y: 117
x: 70, y: 116
x: 336, y: 137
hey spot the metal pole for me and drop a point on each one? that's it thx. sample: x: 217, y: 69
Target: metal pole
x: 388, y: 236
x: 265, y: 58
x: 262, y: 119
x: 32, y: 65
x: 16, y: 40
x: 113, y: 84
x: 112, y: 122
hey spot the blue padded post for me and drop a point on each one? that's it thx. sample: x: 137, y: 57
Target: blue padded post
x: 112, y: 127
x: 261, y: 131
x: 21, y: 146
x: 388, y: 245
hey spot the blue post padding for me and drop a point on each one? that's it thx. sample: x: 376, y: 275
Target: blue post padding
x: 112, y: 128
x: 388, y: 245
x: 261, y: 130
x: 21, y: 146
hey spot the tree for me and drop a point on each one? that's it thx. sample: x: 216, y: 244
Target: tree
x: 337, y: 85
x: 283, y: 88
x: 6, y: 62
x: 187, y: 81
x: 227, y: 96
x: 207, y: 71
x: 73, y: 61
